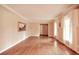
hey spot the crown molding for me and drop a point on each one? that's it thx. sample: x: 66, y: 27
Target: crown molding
x: 13, y: 11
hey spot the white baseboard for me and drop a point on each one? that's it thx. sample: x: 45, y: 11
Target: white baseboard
x: 11, y: 45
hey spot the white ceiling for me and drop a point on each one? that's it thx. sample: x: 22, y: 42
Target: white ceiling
x: 39, y: 12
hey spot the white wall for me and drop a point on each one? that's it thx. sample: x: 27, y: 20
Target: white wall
x: 33, y: 29
x: 9, y: 34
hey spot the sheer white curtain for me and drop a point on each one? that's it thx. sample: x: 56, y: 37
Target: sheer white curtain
x: 67, y: 29
x: 55, y: 28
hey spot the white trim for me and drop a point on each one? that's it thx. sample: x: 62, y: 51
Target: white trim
x: 12, y: 45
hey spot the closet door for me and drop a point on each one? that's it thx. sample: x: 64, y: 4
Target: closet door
x: 44, y: 29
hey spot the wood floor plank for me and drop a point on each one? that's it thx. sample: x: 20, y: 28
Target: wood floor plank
x: 39, y: 46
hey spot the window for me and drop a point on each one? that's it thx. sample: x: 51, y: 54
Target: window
x: 55, y: 28
x: 67, y: 29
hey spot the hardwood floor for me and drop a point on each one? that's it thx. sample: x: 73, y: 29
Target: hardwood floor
x: 39, y: 46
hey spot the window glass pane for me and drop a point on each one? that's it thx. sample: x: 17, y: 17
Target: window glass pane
x: 55, y: 29
x: 67, y: 31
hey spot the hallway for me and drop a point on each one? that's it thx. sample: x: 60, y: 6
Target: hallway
x: 39, y: 46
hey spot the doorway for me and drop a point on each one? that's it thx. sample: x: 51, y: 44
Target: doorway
x: 43, y: 29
